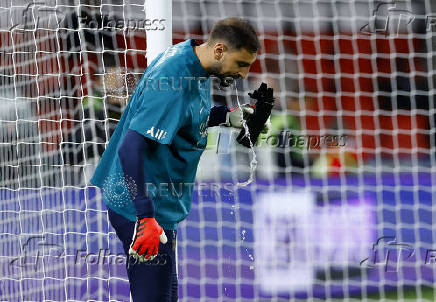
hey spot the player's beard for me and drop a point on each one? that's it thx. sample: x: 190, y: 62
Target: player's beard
x: 226, y: 79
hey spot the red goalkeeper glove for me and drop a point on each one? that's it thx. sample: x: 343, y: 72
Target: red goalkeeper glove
x: 146, y: 237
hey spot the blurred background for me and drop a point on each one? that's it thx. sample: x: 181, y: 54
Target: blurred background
x: 342, y: 202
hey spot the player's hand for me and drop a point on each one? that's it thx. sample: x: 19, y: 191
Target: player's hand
x: 258, y: 122
x: 146, y: 237
x: 263, y: 94
x: 266, y: 127
x: 234, y: 119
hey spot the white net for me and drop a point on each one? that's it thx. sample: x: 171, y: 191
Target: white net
x: 341, y: 205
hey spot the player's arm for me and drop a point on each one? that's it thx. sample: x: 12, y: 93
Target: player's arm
x: 218, y: 115
x: 158, y: 116
x: 147, y: 232
x: 131, y: 154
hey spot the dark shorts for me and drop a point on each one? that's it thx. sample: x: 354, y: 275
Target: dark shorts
x: 154, y: 281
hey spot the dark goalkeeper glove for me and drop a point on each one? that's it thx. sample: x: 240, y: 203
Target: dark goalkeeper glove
x: 262, y: 111
x: 146, y: 237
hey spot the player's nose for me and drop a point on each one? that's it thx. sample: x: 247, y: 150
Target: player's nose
x: 242, y: 74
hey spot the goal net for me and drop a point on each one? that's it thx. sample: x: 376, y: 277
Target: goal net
x: 341, y: 204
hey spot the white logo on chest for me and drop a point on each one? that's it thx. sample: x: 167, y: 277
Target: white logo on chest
x: 160, y: 134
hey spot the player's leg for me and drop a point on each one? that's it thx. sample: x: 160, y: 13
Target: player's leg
x: 156, y: 274
x: 149, y: 281
x: 175, y: 273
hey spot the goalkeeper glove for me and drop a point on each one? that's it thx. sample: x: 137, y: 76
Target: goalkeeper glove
x: 146, y: 237
x: 256, y: 122
x: 234, y: 119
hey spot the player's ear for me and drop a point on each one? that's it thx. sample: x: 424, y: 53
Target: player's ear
x: 218, y: 50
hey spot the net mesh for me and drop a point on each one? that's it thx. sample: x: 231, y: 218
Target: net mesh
x: 341, y: 206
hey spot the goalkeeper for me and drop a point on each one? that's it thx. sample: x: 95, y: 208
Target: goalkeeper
x: 159, y: 140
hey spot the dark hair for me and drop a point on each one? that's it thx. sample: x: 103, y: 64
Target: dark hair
x: 237, y: 32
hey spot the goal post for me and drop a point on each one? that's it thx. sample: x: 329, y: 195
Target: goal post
x: 159, y: 41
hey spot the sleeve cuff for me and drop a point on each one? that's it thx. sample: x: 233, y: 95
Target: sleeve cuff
x: 218, y: 116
